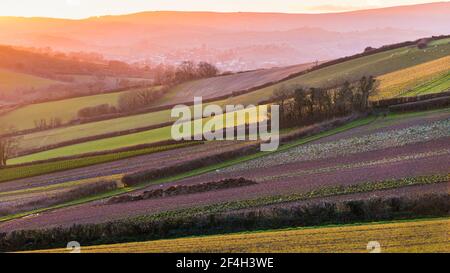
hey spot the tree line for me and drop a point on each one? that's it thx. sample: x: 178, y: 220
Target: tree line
x: 186, y: 71
x: 301, y: 105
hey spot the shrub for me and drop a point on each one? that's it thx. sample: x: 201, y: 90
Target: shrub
x: 184, y: 189
x: 95, y: 111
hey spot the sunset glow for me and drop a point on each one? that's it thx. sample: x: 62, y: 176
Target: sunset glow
x: 88, y: 8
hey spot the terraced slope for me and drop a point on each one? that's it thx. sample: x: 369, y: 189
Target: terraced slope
x: 419, y: 236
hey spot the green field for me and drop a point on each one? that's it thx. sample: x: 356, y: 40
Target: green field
x: 11, y: 80
x: 145, y: 137
x: 24, y: 117
x: 58, y: 135
x: 43, y: 168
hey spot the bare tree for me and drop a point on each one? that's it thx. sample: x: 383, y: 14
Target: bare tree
x: 205, y: 70
x: 8, y: 148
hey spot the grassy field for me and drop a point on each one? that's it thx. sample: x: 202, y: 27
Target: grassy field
x: 58, y: 135
x: 145, y: 137
x: 429, y: 77
x: 377, y: 64
x: 43, y: 168
x: 24, y: 117
x: 10, y: 81
x: 203, y: 170
x: 422, y: 236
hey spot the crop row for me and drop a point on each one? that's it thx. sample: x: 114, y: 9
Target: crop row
x: 12, y: 173
x: 352, y: 145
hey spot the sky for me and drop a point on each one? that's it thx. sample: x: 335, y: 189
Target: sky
x: 76, y: 9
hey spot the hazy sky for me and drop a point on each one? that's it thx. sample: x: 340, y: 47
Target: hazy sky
x: 87, y: 8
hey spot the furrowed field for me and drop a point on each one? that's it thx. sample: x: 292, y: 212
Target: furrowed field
x: 415, y: 236
x: 430, y: 77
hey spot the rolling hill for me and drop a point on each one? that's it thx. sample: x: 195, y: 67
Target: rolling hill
x: 11, y: 81
x: 23, y: 118
x: 409, y: 59
x: 236, y: 41
x: 376, y: 65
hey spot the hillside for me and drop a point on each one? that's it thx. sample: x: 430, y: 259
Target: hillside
x: 11, y: 81
x: 43, y: 75
x: 24, y: 117
x: 66, y: 110
x: 234, y: 41
x: 225, y: 85
x: 401, y: 155
x: 375, y: 64
x: 388, y: 64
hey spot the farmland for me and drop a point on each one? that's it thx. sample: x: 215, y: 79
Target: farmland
x: 145, y: 137
x: 61, y: 165
x: 342, y: 161
x: 24, y: 117
x: 222, y: 85
x: 409, y: 60
x: 376, y: 65
x: 10, y: 81
x: 411, y: 236
x: 417, y: 145
x: 430, y: 77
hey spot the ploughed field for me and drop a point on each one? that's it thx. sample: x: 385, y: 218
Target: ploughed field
x: 403, y: 153
x: 223, y: 85
x: 420, y: 236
